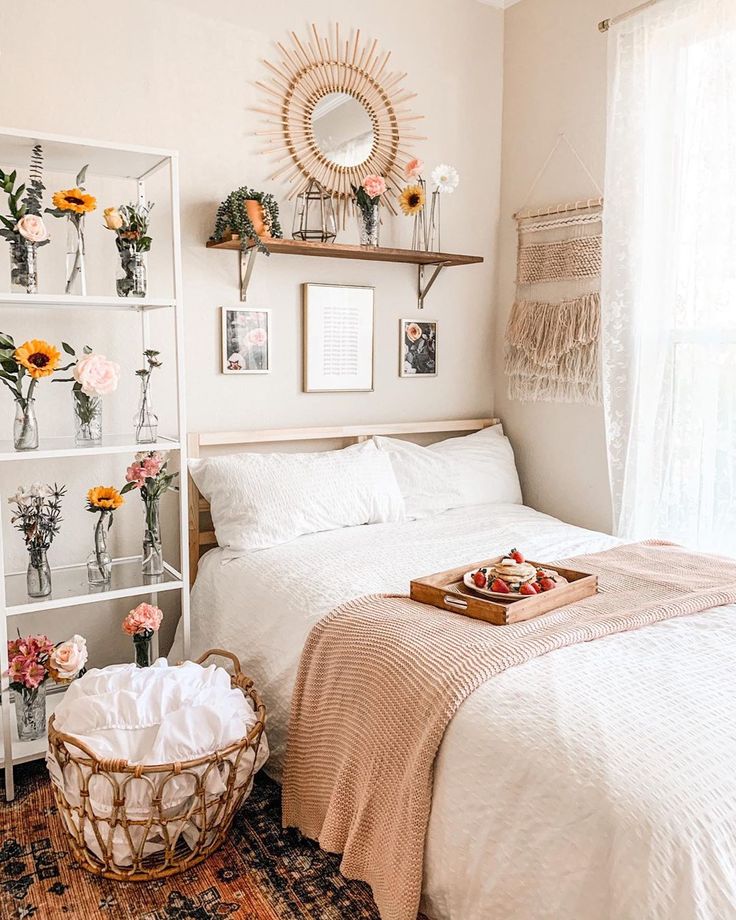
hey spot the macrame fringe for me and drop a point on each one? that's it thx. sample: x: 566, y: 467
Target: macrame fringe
x: 552, y: 350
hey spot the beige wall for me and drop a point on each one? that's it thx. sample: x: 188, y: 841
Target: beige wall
x: 554, y: 80
x: 179, y: 74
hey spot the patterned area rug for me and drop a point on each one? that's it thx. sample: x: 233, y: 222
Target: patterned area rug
x: 261, y: 873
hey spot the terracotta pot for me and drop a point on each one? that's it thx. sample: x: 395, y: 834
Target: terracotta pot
x: 254, y: 210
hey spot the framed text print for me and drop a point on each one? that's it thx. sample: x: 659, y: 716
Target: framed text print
x: 338, y: 338
x: 246, y: 341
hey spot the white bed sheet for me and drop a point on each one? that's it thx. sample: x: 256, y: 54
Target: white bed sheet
x: 595, y: 783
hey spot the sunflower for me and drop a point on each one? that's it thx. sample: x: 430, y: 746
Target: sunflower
x: 38, y: 357
x: 104, y: 498
x: 411, y: 200
x: 75, y: 200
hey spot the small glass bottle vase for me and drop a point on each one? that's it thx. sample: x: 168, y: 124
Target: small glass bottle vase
x: 30, y: 713
x: 99, y: 563
x: 76, y: 277
x: 87, y: 418
x: 369, y: 223
x: 145, y: 419
x: 153, y: 558
x: 38, y: 575
x: 23, y: 267
x: 25, y: 425
x: 131, y: 278
x: 143, y: 651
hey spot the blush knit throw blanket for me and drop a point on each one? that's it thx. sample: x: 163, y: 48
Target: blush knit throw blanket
x: 381, y: 677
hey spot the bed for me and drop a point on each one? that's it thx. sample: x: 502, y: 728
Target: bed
x: 594, y: 782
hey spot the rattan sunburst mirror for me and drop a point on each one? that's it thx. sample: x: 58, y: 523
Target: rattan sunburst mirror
x: 336, y: 114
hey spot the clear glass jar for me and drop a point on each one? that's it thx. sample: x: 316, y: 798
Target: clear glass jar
x: 38, y: 575
x: 145, y: 420
x: 369, y: 224
x: 30, y: 713
x: 143, y: 651
x: 25, y: 425
x: 87, y: 418
x: 99, y: 562
x: 434, y: 242
x: 23, y: 267
x: 76, y: 279
x: 131, y: 280
x: 153, y: 558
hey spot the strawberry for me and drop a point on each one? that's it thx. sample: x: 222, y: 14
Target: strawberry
x: 516, y: 555
x: 528, y: 588
x: 547, y: 583
x: 500, y: 587
x: 479, y: 579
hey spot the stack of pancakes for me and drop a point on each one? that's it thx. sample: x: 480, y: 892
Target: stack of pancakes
x: 512, y: 572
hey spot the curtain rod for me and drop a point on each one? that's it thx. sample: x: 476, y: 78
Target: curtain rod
x: 605, y: 24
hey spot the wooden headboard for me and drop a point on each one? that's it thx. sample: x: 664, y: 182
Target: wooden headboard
x: 201, y: 532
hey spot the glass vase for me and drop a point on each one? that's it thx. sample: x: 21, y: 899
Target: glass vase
x: 434, y: 243
x: 25, y: 425
x: 23, y: 267
x: 142, y: 646
x: 145, y: 419
x: 38, y: 575
x: 153, y: 558
x: 419, y: 230
x: 99, y: 563
x: 131, y: 280
x: 87, y: 418
x: 76, y: 278
x: 369, y: 223
x: 30, y: 713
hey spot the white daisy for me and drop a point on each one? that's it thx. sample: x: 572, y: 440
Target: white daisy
x: 445, y: 178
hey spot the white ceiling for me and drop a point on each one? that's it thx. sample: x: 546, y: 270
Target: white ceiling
x: 499, y: 4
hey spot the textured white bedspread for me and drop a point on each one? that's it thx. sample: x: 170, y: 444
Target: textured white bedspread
x: 595, y: 783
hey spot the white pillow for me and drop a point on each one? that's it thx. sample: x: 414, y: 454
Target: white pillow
x: 476, y: 469
x: 262, y: 500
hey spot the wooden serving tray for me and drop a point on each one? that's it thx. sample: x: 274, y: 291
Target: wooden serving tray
x: 446, y: 590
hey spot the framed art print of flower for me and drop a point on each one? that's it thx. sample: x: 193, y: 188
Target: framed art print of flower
x: 246, y: 341
x: 417, y: 348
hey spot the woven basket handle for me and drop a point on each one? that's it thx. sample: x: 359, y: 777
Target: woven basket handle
x: 221, y: 653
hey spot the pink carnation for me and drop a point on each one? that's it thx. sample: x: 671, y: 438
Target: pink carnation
x: 151, y: 467
x: 374, y: 185
x: 135, y: 474
x: 145, y: 618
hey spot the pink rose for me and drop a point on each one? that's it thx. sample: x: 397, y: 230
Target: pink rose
x: 257, y: 337
x: 97, y: 375
x: 144, y: 618
x: 68, y: 659
x: 32, y: 228
x: 375, y: 186
x: 413, y: 168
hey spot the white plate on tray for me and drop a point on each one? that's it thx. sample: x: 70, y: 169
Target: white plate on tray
x: 512, y: 595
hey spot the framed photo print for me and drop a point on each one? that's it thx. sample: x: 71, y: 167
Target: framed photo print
x: 338, y: 338
x: 246, y: 341
x: 417, y: 348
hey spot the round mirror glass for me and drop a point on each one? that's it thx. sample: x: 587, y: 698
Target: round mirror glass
x: 342, y: 129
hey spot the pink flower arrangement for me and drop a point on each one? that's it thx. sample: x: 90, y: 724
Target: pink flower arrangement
x: 374, y: 186
x: 413, y: 168
x: 33, y: 658
x: 147, y: 465
x: 97, y: 375
x: 144, y: 620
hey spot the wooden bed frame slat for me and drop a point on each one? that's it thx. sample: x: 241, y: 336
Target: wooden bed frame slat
x: 202, y: 537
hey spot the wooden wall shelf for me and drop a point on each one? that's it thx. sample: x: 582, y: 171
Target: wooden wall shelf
x: 438, y: 260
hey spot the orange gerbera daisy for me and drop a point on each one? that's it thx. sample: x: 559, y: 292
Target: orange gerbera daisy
x: 74, y: 200
x: 38, y: 357
x: 104, y: 498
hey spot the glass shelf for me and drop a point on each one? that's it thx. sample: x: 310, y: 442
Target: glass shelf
x: 67, y: 447
x: 89, y: 302
x: 70, y: 587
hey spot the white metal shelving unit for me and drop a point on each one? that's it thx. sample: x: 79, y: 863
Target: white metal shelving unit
x: 70, y: 588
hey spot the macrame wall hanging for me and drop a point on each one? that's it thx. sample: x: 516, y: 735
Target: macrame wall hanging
x: 553, y: 329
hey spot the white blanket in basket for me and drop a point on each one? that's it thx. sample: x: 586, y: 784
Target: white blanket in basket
x: 155, y: 715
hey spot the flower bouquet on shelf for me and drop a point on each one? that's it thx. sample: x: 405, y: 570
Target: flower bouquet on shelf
x: 368, y: 201
x: 251, y: 215
x: 24, y: 228
x: 412, y: 200
x: 102, y: 500
x: 73, y: 204
x: 445, y: 180
x: 32, y: 660
x: 141, y: 623
x: 145, y: 420
x: 37, y: 515
x: 31, y: 361
x: 149, y: 473
x: 130, y: 223
x: 93, y: 376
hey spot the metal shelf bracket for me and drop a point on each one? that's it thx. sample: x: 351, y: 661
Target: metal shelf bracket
x: 423, y: 289
x: 247, y: 262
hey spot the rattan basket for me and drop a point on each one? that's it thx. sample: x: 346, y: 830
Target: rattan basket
x: 209, y: 815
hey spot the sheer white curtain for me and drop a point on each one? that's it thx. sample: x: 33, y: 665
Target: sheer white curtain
x: 669, y: 274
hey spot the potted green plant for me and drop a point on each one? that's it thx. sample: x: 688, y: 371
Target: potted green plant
x: 253, y: 215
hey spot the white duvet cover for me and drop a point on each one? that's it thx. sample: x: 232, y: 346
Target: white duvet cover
x: 595, y: 783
